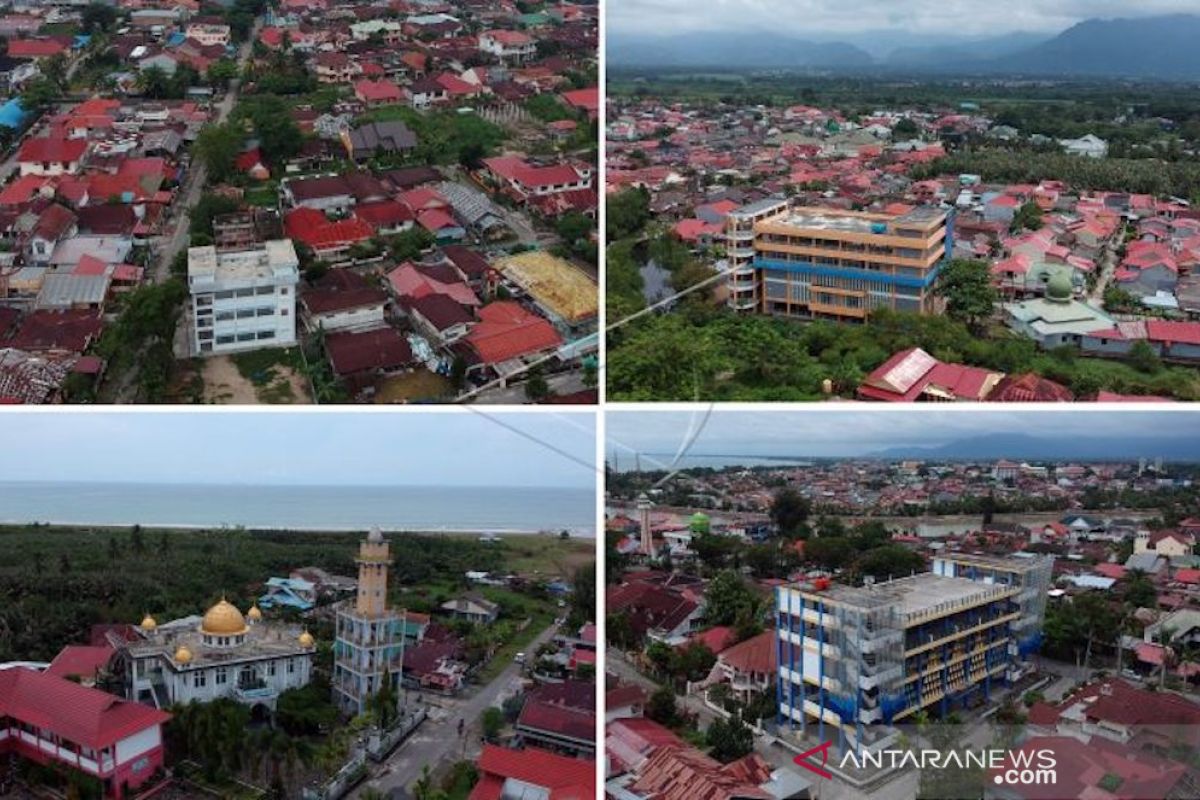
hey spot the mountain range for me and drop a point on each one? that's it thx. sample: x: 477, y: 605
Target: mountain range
x: 1158, y: 47
x: 1036, y: 448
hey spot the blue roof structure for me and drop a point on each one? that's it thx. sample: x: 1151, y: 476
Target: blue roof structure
x: 283, y: 592
x: 12, y: 115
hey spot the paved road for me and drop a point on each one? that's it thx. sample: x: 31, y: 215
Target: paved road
x: 567, y: 383
x: 437, y: 739
x: 1107, y: 267
x: 198, y: 176
x: 617, y: 665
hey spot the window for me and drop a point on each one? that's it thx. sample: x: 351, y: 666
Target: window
x: 271, y: 669
x: 283, y: 290
x: 291, y: 666
x: 224, y: 295
x: 222, y: 676
x: 266, y: 334
x: 206, y: 336
x: 245, y: 313
x: 265, y: 290
x: 226, y: 339
x: 199, y: 679
x: 246, y: 337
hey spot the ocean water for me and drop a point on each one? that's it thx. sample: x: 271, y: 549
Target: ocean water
x: 413, y: 508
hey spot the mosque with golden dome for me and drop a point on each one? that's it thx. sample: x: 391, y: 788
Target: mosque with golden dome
x: 224, y: 653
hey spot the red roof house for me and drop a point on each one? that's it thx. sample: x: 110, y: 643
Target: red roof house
x: 560, y: 777
x: 323, y: 236
x: 914, y: 374
x: 506, y: 330
x: 35, y: 48
x: 65, y: 718
x: 378, y: 93
x: 51, y: 155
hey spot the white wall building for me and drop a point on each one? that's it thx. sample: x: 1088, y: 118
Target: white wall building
x: 243, y: 300
x: 222, y: 655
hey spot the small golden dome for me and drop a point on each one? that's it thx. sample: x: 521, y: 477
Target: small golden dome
x: 148, y: 624
x: 254, y: 613
x: 307, y: 640
x: 223, y: 619
x: 183, y: 655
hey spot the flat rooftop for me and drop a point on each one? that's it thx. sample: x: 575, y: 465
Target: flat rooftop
x: 916, y: 595
x: 1013, y: 563
x: 260, y: 262
x: 758, y: 206
x: 836, y: 219
x: 265, y: 640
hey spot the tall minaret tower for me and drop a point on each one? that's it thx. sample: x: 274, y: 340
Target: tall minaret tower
x: 373, y: 560
x: 643, y: 506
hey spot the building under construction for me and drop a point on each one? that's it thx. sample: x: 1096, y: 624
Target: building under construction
x: 853, y: 661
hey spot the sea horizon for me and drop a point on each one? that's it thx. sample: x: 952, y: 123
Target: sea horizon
x: 307, y: 507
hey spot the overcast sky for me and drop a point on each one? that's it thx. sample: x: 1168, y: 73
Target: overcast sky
x: 817, y: 17
x: 821, y: 433
x: 452, y: 448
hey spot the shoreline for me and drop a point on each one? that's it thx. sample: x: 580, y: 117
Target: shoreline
x: 190, y: 527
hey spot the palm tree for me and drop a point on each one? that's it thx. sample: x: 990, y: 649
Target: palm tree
x: 1164, y: 637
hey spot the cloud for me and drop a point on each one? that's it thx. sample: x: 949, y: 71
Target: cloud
x: 820, y: 432
x: 447, y: 448
x: 819, y: 19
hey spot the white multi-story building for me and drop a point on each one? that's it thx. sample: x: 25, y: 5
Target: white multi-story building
x: 208, y: 34
x: 223, y: 654
x: 243, y: 300
x: 508, y: 45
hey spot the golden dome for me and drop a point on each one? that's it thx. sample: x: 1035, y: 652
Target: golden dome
x: 307, y: 640
x: 148, y: 624
x: 223, y: 619
x: 254, y: 613
x: 183, y: 655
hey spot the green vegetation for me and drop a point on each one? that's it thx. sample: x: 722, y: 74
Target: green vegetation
x: 711, y: 354
x: 97, y: 18
x: 217, y: 147
x: 209, y: 207
x: 270, y: 370
x: 547, y: 108
x: 1143, y: 176
x: 970, y: 296
x: 269, y: 116
x: 445, y: 137
x: 154, y: 82
x: 59, y: 581
x: 143, y: 337
x: 731, y: 739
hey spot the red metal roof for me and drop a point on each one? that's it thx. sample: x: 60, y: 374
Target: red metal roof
x: 565, y: 778
x: 558, y: 720
x: 756, y: 654
x: 54, y: 149
x: 384, y: 348
x: 88, y: 717
x: 676, y: 773
x: 1083, y: 767
x: 506, y: 330
x: 80, y: 660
